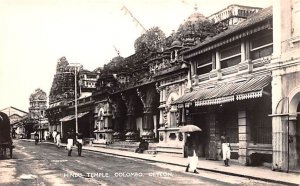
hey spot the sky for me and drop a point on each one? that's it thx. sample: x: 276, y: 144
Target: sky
x: 34, y: 34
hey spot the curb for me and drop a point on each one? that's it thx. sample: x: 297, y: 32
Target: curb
x: 199, y: 168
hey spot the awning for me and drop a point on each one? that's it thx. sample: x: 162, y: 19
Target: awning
x: 70, y: 117
x: 225, y: 92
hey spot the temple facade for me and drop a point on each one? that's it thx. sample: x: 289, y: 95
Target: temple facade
x: 234, y: 73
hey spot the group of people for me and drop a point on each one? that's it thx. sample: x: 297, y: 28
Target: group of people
x: 192, y: 149
x: 71, y: 138
x: 77, y: 138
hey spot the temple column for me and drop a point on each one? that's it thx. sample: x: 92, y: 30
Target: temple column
x: 131, y: 133
x: 117, y: 122
x: 147, y: 99
x: 107, y: 118
x: 148, y: 125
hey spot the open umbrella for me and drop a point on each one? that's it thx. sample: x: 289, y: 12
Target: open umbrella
x: 189, y: 128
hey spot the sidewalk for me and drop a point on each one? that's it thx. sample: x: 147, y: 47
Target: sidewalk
x: 258, y: 173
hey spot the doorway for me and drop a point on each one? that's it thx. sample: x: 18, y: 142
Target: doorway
x: 202, y: 137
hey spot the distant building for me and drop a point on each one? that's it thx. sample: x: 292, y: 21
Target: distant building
x: 17, y: 118
x: 37, y: 110
x: 62, y: 94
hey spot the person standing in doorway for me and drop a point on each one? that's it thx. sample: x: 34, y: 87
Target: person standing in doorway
x: 192, y: 150
x: 226, y: 150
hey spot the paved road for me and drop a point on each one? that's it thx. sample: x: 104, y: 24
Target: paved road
x: 44, y: 164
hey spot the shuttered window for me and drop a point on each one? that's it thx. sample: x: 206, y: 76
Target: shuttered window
x: 261, y: 44
x: 204, y: 64
x: 230, y: 55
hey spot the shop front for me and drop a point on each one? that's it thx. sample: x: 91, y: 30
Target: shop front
x: 236, y: 109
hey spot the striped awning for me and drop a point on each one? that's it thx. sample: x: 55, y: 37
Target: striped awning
x: 225, y: 92
x: 70, y: 117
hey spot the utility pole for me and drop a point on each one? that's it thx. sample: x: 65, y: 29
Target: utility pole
x: 76, y: 67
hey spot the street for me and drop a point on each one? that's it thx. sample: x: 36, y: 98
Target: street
x: 45, y: 164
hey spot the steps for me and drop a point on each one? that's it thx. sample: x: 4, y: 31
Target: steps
x: 152, y: 149
x: 170, y: 151
x: 121, y: 145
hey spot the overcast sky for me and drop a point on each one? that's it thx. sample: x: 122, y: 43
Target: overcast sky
x: 34, y: 34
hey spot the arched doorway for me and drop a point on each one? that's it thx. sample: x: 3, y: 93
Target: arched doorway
x: 294, y: 130
x: 298, y: 137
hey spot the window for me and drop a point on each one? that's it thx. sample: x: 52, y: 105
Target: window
x: 261, y: 44
x: 204, y: 64
x: 230, y: 56
x: 260, y: 122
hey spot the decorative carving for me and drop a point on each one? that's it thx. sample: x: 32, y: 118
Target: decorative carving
x: 171, y: 88
x: 142, y: 96
x: 161, y: 137
x: 172, y: 136
x: 180, y: 136
x: 158, y: 89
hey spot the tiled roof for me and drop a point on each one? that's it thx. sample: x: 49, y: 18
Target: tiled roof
x: 226, y: 92
x: 258, y: 17
x: 71, y: 117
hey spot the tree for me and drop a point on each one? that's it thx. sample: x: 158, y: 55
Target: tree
x: 152, y: 40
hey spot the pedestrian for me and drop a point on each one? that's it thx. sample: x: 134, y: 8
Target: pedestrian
x: 226, y: 150
x: 192, y: 150
x: 36, y: 137
x: 45, y: 135
x: 79, y: 143
x: 70, y: 142
x: 58, y: 140
x: 54, y: 136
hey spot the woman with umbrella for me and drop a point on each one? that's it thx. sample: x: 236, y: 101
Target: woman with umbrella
x: 192, y: 147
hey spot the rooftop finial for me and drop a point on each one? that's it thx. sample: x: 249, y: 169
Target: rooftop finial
x: 196, y: 7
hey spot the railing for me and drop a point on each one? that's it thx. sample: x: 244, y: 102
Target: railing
x: 263, y: 135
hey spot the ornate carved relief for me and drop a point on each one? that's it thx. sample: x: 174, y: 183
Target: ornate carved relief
x: 129, y: 102
x: 171, y: 88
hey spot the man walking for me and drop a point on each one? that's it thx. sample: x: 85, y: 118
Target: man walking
x: 70, y: 142
x: 79, y: 143
x: 58, y: 140
x: 54, y: 136
x: 36, y: 137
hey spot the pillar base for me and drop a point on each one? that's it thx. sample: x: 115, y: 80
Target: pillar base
x: 116, y: 136
x: 131, y: 136
x: 148, y: 135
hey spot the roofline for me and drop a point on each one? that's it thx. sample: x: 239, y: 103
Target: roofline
x: 15, y: 109
x: 231, y: 6
x: 231, y: 31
